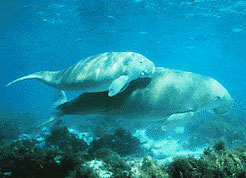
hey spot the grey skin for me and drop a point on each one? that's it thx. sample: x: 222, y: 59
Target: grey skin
x: 110, y: 71
x: 169, y: 94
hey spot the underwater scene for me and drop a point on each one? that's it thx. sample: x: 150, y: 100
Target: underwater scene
x: 123, y: 88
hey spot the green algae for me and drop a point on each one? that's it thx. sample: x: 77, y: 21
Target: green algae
x: 61, y: 138
x: 65, y: 154
x: 121, y: 141
x: 73, y: 158
x: 214, y: 162
x: 24, y: 159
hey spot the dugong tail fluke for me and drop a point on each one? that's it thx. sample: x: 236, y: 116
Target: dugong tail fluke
x: 59, y: 99
x: 54, y: 116
x: 44, y: 76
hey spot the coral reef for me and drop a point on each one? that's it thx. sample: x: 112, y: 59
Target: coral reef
x: 65, y: 154
x: 150, y: 168
x: 61, y: 138
x: 215, y: 162
x: 121, y: 142
x: 23, y: 159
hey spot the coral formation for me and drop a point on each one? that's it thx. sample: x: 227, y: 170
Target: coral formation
x: 64, y: 154
x: 216, y: 162
x: 61, y: 138
x: 121, y: 142
x: 23, y: 159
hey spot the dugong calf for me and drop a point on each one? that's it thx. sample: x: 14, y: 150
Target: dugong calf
x: 110, y: 71
x: 170, y: 94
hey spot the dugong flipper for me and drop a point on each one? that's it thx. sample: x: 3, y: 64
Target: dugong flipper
x: 169, y: 94
x: 110, y: 71
x: 118, y: 85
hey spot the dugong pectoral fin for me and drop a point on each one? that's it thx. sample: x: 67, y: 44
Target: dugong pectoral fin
x: 178, y: 119
x: 117, y: 85
x: 59, y: 98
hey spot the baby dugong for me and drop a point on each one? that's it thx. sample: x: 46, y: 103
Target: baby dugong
x: 109, y: 71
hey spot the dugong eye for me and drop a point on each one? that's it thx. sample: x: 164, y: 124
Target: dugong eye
x: 217, y: 97
x: 141, y: 62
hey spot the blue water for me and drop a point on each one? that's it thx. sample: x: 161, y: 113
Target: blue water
x: 203, y: 36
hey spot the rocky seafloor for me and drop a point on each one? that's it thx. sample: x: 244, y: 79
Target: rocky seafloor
x: 63, y: 152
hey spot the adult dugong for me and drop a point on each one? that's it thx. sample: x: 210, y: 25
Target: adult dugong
x: 170, y: 94
x: 110, y: 71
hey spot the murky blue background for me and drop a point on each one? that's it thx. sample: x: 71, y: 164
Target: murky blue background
x: 203, y: 36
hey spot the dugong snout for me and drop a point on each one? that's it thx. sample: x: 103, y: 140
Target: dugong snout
x: 222, y: 99
x: 148, y: 71
x: 225, y: 106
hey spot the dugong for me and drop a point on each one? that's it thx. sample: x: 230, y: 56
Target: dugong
x: 110, y: 71
x: 169, y: 94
